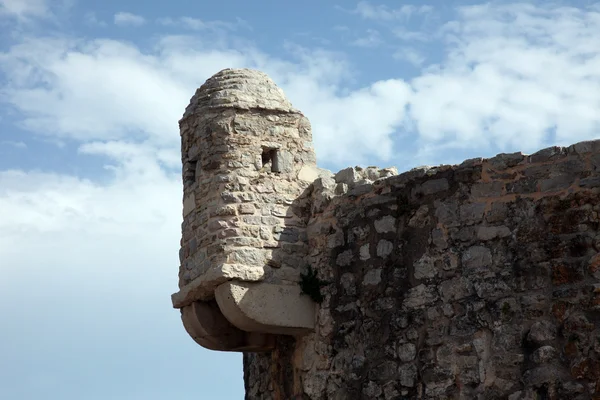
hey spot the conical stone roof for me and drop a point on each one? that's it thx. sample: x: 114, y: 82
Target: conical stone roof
x: 239, y: 88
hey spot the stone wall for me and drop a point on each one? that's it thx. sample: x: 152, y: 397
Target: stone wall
x: 476, y: 281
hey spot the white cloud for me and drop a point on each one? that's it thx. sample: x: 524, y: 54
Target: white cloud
x: 360, y: 126
x: 98, y: 261
x: 372, y: 38
x: 128, y: 19
x: 197, y: 24
x: 101, y: 89
x: 384, y: 13
x: 139, y: 196
x: 409, y: 54
x: 109, y: 90
x: 24, y: 9
x: 14, y: 144
x: 29, y: 12
x: 513, y: 74
x: 406, y: 35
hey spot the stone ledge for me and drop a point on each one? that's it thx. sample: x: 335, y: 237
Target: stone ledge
x: 266, y: 308
x: 203, y: 287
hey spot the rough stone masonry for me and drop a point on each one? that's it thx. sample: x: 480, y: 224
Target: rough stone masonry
x: 474, y: 281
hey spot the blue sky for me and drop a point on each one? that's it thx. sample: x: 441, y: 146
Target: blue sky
x: 90, y: 192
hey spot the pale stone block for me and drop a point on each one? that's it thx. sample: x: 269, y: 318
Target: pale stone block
x: 308, y: 173
x: 385, y: 224
x: 266, y: 308
x: 364, y: 252
x: 384, y: 248
x: 189, y: 204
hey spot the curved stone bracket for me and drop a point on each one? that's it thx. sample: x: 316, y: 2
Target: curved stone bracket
x: 266, y: 308
x: 205, y: 323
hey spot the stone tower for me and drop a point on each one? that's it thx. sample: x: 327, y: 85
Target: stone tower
x: 247, y: 155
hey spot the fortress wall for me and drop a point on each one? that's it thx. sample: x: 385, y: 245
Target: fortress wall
x: 476, y: 281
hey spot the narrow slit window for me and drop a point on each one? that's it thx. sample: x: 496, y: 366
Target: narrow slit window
x: 189, y: 173
x: 270, y: 160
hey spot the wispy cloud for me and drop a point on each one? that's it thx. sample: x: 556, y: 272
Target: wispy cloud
x: 128, y: 19
x: 407, y: 35
x: 14, y: 144
x: 81, y: 90
x: 91, y: 19
x: 108, y: 90
x: 514, y: 76
x: 508, y: 77
x: 197, y: 24
x: 384, y: 13
x: 371, y: 38
x: 24, y: 9
x: 409, y: 54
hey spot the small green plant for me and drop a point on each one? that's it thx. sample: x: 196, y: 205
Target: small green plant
x: 311, y: 284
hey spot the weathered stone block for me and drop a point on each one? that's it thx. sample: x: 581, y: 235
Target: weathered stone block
x: 347, y: 176
x: 432, y: 186
x: 476, y: 258
x: 491, y: 189
x: 456, y: 289
x: 372, y: 277
x: 385, y: 224
x: 384, y: 248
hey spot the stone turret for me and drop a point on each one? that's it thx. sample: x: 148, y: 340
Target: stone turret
x: 247, y: 155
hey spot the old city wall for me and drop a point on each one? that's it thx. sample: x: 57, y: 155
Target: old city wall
x: 476, y: 281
